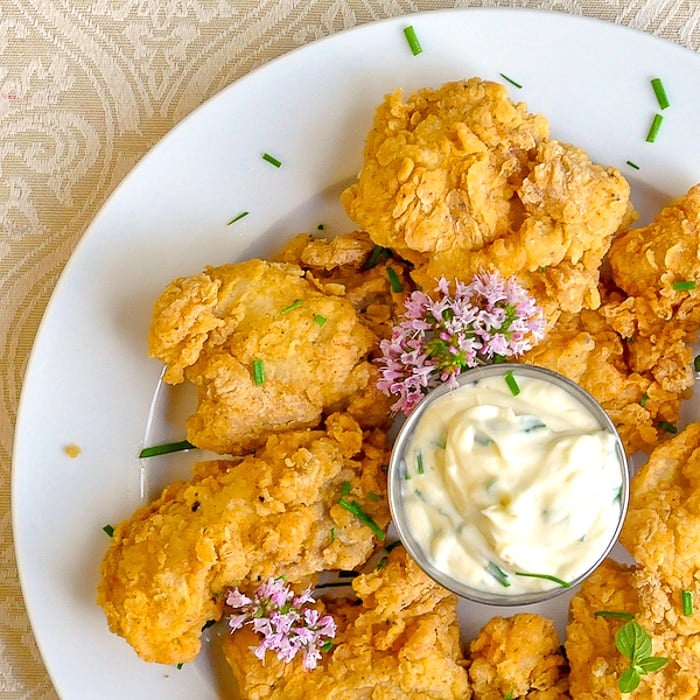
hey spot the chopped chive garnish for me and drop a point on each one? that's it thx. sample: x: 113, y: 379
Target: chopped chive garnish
x: 546, y: 577
x: 238, y: 217
x: 109, y: 530
x: 320, y: 320
x: 271, y: 160
x: 412, y: 39
x: 510, y: 695
x: 356, y: 510
x: 166, y: 448
x: 632, y: 164
x: 374, y: 496
x: 512, y: 383
x: 394, y: 281
x: 685, y: 285
x: 643, y: 400
x: 696, y: 363
x: 419, y: 463
x: 498, y: 573
x: 654, y: 128
x: 294, y: 305
x: 258, y: 372
x: 179, y: 666
x: 668, y: 427
x: 332, y: 534
x: 326, y: 646
x: 660, y: 92
x: 345, y: 488
x: 687, y: 598
x: 510, y: 80
x: 613, y: 613
x: 392, y: 546
x: 382, y: 563
x: 320, y: 227
x: 378, y: 252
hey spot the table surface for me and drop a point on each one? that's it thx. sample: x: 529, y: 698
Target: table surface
x: 84, y: 93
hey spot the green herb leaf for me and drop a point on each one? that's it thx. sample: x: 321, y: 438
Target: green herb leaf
x: 546, y: 577
x: 512, y: 383
x: 356, y: 510
x: 109, y: 530
x: 412, y: 39
x: 258, y: 372
x: 166, y: 448
x: 326, y: 646
x: 651, y: 664
x: 632, y: 641
x: 629, y: 680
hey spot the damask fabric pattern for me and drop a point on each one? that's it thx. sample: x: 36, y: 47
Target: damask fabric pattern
x: 86, y: 88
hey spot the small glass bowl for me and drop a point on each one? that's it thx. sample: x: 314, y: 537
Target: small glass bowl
x: 397, y: 480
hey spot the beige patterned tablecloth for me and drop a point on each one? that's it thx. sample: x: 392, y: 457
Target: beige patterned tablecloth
x: 86, y: 88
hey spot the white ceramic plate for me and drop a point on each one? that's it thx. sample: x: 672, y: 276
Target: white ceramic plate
x: 89, y: 381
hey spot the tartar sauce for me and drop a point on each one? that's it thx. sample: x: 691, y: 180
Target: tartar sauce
x: 503, y: 491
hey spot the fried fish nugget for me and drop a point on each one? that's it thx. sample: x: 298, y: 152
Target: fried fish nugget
x: 267, y: 350
x: 275, y: 513
x: 400, y: 643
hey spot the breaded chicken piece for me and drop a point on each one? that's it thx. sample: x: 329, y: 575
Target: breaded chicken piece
x: 267, y: 350
x: 639, y: 379
x: 352, y: 266
x: 460, y: 179
x: 275, y: 513
x: 662, y: 532
x: 520, y: 655
x: 400, y: 643
x: 595, y: 662
x: 653, y: 260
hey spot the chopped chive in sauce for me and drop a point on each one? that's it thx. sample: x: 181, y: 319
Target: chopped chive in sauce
x: 654, y: 128
x: 685, y: 285
x: 258, y: 372
x: 613, y: 613
x: 696, y: 363
x: 512, y: 383
x: 668, y: 427
x: 660, y: 92
x: 356, y: 510
x: 238, y: 217
x: 109, y: 530
x: 511, y: 81
x: 545, y: 577
x: 498, y: 573
x: 165, y: 448
x: 320, y: 320
x: 394, y: 281
x: 643, y: 400
x: 419, y: 463
x: 294, y: 305
x: 271, y: 160
x: 345, y: 488
x: 632, y: 164
x: 378, y: 252
x: 412, y: 39
x: 687, y: 600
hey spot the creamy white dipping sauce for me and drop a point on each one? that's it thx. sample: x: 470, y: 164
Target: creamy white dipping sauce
x: 496, y: 485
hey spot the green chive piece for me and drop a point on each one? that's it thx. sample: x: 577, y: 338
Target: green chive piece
x: 394, y: 281
x: 512, y: 383
x: 179, y: 666
x: 685, y: 285
x: 109, y: 530
x: 654, y: 128
x: 613, y: 613
x: 332, y: 535
x: 660, y: 92
x: 320, y: 320
x: 326, y: 646
x: 320, y: 227
x: 392, y: 546
x: 632, y: 164
x: 294, y: 305
x: 511, y: 81
x: 687, y: 598
x: 643, y: 400
x: 498, y: 573
x: 238, y: 217
x: 510, y: 695
x: 419, y: 463
x: 546, y: 577
x: 356, y: 510
x: 412, y: 39
x: 378, y: 252
x: 668, y: 427
x: 345, y: 488
x: 166, y: 448
x: 696, y: 363
x: 258, y: 372
x: 271, y: 160
x: 381, y: 563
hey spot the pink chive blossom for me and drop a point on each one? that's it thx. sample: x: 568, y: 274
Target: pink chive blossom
x: 286, y: 622
x: 488, y: 320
